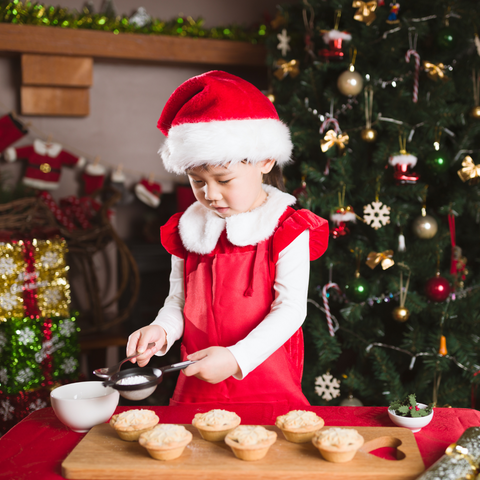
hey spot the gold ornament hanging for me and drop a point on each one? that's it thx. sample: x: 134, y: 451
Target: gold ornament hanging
x: 401, y: 313
x: 350, y: 82
x: 385, y: 259
x: 469, y: 171
x: 435, y: 72
x: 285, y: 68
x: 365, y: 12
x: 475, y: 111
x: 332, y: 139
x: 368, y: 134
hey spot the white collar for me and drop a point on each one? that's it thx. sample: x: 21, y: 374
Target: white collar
x: 200, y: 228
x: 50, y: 149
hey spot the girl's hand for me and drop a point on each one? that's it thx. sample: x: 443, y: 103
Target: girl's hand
x: 138, y: 341
x: 213, y: 365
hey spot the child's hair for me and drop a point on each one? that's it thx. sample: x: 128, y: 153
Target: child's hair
x: 275, y: 178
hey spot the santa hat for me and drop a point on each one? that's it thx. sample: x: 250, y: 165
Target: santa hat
x: 148, y: 192
x: 219, y: 119
x: 336, y: 35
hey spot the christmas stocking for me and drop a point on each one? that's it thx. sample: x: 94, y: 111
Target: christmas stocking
x: 149, y: 192
x: 93, y: 178
x: 117, y: 181
x: 11, y: 130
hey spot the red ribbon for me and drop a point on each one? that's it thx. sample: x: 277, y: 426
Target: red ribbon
x: 30, y: 304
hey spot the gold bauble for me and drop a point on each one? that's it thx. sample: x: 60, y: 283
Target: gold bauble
x: 350, y: 83
x: 369, y: 135
x: 425, y: 227
x: 475, y: 112
x: 400, y: 314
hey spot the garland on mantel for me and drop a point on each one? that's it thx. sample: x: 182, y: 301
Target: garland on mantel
x: 32, y: 13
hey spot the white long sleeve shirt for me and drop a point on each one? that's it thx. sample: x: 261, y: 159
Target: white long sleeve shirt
x: 286, y: 316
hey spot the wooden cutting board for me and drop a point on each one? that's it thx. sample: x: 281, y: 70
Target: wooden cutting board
x: 102, y: 455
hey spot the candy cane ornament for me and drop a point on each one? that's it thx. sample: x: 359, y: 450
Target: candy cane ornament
x: 417, y: 72
x: 327, y: 307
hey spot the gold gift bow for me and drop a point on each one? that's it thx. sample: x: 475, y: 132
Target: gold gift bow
x: 384, y: 258
x: 284, y: 68
x: 434, y: 71
x: 457, y: 451
x: 331, y: 138
x: 365, y: 12
x: 470, y: 171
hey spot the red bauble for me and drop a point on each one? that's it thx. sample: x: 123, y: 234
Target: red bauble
x: 437, y: 289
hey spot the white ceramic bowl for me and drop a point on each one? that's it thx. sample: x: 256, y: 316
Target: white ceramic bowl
x: 415, y: 424
x: 82, y: 405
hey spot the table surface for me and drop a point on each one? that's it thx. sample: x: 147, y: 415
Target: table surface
x: 37, y: 446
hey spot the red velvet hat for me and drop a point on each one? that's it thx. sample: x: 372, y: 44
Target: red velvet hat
x: 218, y: 119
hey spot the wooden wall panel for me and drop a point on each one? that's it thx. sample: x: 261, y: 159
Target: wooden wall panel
x: 57, y: 70
x: 55, y: 101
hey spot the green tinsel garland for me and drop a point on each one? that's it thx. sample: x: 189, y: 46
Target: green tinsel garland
x: 30, y: 13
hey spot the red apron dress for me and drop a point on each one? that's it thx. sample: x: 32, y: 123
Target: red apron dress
x: 228, y: 292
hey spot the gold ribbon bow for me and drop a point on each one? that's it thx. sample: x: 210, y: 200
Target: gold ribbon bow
x: 434, y: 71
x: 470, y: 171
x: 384, y: 258
x: 331, y: 138
x: 285, y: 68
x: 365, y: 12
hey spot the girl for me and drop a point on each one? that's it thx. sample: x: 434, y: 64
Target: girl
x: 240, y: 254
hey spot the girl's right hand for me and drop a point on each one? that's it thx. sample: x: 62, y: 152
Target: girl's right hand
x: 138, y: 341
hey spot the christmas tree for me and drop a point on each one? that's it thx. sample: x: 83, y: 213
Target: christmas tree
x: 383, y: 105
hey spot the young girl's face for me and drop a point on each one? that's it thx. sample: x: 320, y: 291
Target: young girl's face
x: 232, y: 189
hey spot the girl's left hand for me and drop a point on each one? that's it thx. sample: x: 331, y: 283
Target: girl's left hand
x: 214, y: 364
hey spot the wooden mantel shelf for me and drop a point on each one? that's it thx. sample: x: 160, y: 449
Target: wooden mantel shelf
x: 128, y: 46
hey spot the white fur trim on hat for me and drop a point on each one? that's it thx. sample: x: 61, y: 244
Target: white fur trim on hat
x: 343, y: 217
x: 336, y: 35
x: 191, y: 145
x: 10, y: 154
x: 403, y: 159
x: 146, y: 196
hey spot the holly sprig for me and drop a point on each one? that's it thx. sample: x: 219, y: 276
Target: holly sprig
x: 409, y: 408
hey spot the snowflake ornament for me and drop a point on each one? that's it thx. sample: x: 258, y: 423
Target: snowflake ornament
x: 8, y: 301
x: 283, y: 45
x: 69, y: 365
x: 3, y: 375
x: 49, y: 259
x: 7, y: 266
x: 24, y: 375
x: 67, y: 328
x: 37, y: 405
x: 52, y: 296
x: 376, y: 214
x: 6, y: 410
x: 328, y: 387
x: 26, y: 336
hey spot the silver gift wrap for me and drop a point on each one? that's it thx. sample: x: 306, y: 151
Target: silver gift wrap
x: 459, y: 464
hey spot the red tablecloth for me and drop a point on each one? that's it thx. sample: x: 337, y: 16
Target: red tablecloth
x: 36, y: 447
